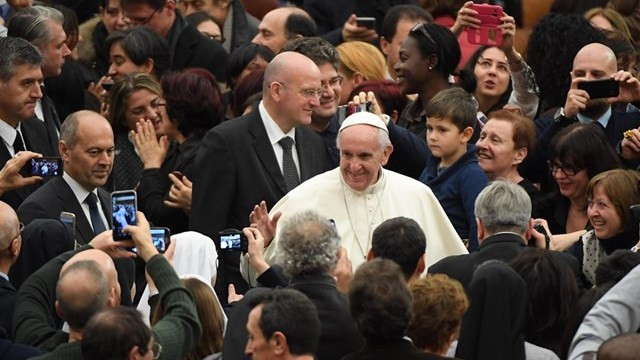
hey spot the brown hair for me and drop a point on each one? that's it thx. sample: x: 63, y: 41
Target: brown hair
x: 614, y: 17
x: 621, y: 187
x: 439, y: 303
x: 209, y: 314
x: 524, y: 132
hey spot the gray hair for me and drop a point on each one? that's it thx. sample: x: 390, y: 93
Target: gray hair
x: 383, y: 139
x: 31, y: 23
x: 504, y: 206
x: 309, y: 245
x: 16, y: 52
x: 319, y: 50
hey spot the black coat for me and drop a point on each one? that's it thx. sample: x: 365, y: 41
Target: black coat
x: 394, y: 349
x: 235, y: 169
x: 7, y: 300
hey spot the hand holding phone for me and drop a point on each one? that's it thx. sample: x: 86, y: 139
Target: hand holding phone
x: 161, y: 238
x: 367, y: 22
x: 44, y: 166
x: 233, y: 240
x: 124, y: 207
x: 487, y: 33
x: 598, y: 89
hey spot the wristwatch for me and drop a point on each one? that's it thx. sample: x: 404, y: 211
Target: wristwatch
x: 560, y: 117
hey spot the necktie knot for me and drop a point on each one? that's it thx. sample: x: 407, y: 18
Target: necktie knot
x: 18, y: 142
x: 286, y: 142
x: 91, y: 200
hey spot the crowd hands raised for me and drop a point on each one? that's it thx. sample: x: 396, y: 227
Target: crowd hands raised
x: 400, y: 182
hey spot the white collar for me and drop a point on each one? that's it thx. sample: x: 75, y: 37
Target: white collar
x: 8, y: 132
x: 78, y: 190
x: 273, y: 130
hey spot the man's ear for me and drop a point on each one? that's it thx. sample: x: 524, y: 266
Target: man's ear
x: 14, y: 247
x: 529, y: 230
x: 370, y: 255
x: 59, y: 310
x: 481, y: 231
x: 420, y: 267
x: 64, y: 150
x: 278, y: 343
x: 386, y: 153
x: 275, y: 89
x: 384, y: 46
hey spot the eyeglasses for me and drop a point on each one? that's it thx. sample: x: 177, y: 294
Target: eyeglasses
x: 307, y: 93
x: 141, y: 110
x: 335, y: 81
x: 569, y: 170
x: 137, y: 22
x: 420, y: 28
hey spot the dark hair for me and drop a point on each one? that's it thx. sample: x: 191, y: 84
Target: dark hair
x: 470, y: 83
x: 242, y: 56
x: 454, y: 104
x: 578, y: 312
x: 402, y: 240
x: 298, y: 24
x: 194, y: 101
x: 77, y: 310
x: 154, y: 4
x: 576, y: 6
x: 319, y: 50
x: 380, y: 301
x: 552, y: 45
x: 198, y: 17
x: 387, y: 93
x: 551, y: 294
x: 70, y: 24
x: 402, y: 12
x: 246, y: 89
x: 113, y: 332
x: 294, y: 315
x: 141, y: 44
x: 444, y: 46
x: 584, y: 146
x: 616, y: 266
x: 16, y: 52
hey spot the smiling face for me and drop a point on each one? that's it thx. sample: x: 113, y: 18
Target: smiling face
x: 113, y: 17
x: 603, y: 214
x: 120, y: 64
x: 573, y: 187
x: 496, y: 151
x: 19, y: 94
x: 412, y: 68
x: 492, y: 72
x: 361, y: 156
x: 145, y: 105
x: 330, y: 93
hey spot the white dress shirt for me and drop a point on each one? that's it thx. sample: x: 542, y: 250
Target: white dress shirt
x: 81, y: 195
x: 275, y: 134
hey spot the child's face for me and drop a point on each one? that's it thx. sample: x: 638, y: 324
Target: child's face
x: 444, y: 138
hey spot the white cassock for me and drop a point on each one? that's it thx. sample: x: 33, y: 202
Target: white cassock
x: 357, y: 214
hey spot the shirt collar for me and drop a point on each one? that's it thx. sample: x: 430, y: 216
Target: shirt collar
x: 78, y: 190
x: 372, y: 189
x: 603, y: 120
x: 8, y: 133
x: 273, y: 130
x: 5, y: 276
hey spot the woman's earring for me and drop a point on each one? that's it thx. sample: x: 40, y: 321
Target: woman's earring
x: 430, y: 67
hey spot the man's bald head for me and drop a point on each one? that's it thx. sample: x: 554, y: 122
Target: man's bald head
x: 9, y: 225
x: 81, y: 292
x: 105, y: 265
x: 597, y: 52
x: 287, y: 66
x: 283, y: 24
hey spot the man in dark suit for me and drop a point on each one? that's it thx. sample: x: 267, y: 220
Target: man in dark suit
x: 10, y: 242
x: 20, y: 77
x: 503, y: 214
x: 87, y: 149
x: 310, y: 246
x: 260, y: 156
x: 42, y: 26
x: 188, y: 47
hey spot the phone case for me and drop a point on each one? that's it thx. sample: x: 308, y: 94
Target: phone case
x: 488, y: 32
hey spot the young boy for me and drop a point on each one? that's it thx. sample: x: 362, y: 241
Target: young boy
x: 452, y: 170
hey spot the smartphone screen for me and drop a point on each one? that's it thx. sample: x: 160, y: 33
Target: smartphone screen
x: 124, y: 207
x: 598, y: 89
x: 69, y: 220
x: 44, y: 166
x: 231, y: 242
x: 161, y: 238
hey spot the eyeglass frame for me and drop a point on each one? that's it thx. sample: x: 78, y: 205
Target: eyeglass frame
x: 306, y: 93
x: 568, y: 170
x: 127, y: 20
x: 335, y: 81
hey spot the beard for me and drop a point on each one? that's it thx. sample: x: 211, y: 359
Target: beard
x: 595, y: 108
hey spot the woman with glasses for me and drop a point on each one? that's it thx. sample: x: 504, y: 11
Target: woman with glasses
x: 135, y: 97
x: 610, y: 194
x: 576, y: 155
x: 193, y: 105
x: 359, y: 61
x: 428, y: 58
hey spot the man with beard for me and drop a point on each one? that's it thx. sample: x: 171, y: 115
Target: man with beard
x: 593, y: 62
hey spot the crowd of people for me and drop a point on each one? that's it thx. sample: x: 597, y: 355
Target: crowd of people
x: 395, y: 183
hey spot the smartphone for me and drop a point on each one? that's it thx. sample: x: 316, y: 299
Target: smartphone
x: 69, y: 220
x: 233, y: 240
x: 368, y: 22
x: 344, y: 111
x: 124, y: 205
x: 161, y: 238
x: 44, y: 166
x: 488, y: 32
x: 598, y: 89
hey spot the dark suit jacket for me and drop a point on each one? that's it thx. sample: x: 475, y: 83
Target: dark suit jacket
x: 35, y: 137
x: 502, y: 246
x: 235, y: 169
x: 395, y: 349
x: 196, y: 50
x: 51, y: 122
x: 339, y: 333
x: 7, y: 300
x: 55, y: 197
